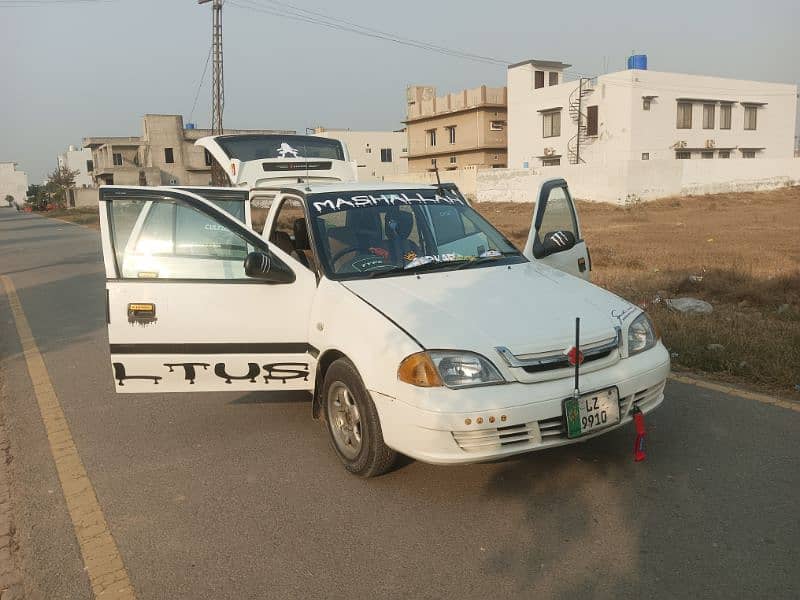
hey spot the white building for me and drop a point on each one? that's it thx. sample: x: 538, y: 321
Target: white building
x: 78, y: 160
x: 12, y: 183
x: 380, y: 155
x: 637, y: 115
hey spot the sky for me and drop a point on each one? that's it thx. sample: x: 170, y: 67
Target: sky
x: 78, y: 68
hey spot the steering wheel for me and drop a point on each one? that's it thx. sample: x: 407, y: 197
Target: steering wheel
x: 344, y: 252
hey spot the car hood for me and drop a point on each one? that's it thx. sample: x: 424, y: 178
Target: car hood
x: 528, y: 308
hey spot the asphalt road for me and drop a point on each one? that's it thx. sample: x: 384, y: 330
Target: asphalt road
x: 240, y: 496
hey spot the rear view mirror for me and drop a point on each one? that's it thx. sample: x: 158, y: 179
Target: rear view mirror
x: 262, y: 265
x: 553, y: 242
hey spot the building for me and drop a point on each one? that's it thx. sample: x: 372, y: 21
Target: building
x: 79, y: 160
x: 380, y: 155
x: 12, y: 183
x: 164, y: 155
x: 638, y: 114
x: 464, y: 129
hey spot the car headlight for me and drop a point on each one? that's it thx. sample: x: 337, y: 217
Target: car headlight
x: 454, y: 369
x: 642, y: 335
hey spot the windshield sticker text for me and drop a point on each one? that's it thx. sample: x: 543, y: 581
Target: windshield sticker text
x: 344, y: 203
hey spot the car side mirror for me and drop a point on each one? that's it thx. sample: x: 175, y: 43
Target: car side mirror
x: 553, y: 242
x: 262, y: 265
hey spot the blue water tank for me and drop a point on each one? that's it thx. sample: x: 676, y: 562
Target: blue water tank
x: 191, y: 125
x: 638, y: 61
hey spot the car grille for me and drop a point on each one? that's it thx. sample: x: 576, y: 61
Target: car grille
x: 550, y: 430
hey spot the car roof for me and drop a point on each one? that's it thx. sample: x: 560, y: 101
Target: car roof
x: 312, y: 188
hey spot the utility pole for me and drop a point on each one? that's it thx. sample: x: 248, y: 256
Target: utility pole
x: 218, y: 177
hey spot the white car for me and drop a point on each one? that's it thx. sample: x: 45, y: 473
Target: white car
x: 418, y: 327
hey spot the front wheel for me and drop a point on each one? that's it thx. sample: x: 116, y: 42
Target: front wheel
x: 353, y: 422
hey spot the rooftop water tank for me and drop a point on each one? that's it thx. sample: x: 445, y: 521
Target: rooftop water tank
x: 638, y: 61
x: 191, y: 125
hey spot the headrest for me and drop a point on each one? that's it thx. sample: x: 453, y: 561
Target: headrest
x: 399, y: 224
x: 301, y: 234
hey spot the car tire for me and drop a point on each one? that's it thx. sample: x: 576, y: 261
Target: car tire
x: 353, y: 423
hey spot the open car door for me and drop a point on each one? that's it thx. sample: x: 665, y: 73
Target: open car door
x: 183, y: 315
x: 555, y: 237
x: 260, y: 160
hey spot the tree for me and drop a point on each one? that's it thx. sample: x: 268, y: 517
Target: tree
x: 10, y: 199
x: 58, y: 182
x: 38, y: 197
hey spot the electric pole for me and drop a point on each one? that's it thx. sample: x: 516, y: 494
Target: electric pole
x: 218, y: 177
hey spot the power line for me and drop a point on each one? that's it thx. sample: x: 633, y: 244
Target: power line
x: 288, y: 11
x: 44, y: 3
x: 200, y: 84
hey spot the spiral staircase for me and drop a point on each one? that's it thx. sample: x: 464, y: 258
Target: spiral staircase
x: 577, y: 113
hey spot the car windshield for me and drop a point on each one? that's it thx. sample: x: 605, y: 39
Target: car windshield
x: 387, y: 233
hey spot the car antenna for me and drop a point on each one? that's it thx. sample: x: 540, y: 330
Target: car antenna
x: 438, y: 180
x: 305, y: 157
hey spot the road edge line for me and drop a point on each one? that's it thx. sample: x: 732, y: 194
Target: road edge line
x: 101, y: 558
x: 734, y: 391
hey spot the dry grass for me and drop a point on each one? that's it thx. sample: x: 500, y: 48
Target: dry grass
x: 86, y: 215
x: 746, y: 249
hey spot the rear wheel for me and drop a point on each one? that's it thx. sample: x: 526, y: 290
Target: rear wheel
x: 353, y: 423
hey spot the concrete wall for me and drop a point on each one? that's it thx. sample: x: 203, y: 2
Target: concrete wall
x: 622, y: 182
x: 12, y: 183
x: 365, y: 148
x: 626, y: 131
x: 85, y: 197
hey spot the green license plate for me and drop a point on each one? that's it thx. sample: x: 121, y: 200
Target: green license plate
x: 590, y: 412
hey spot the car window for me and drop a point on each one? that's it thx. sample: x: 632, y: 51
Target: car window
x: 172, y: 240
x: 558, y: 213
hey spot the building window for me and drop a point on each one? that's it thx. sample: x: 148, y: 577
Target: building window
x: 553, y: 75
x: 453, y: 160
x: 497, y: 125
x: 725, y: 116
x: 386, y: 155
x: 433, y: 163
x: 89, y: 166
x: 368, y: 150
x: 683, y: 155
x: 750, y: 113
x: 551, y: 162
x: 748, y: 153
x: 451, y: 134
x: 724, y: 154
x: 538, y: 80
x: 207, y: 158
x: 645, y: 156
x: 645, y: 103
x: 684, y: 115
x: 708, y: 116
x: 431, y: 137
x: 707, y: 154
x: 551, y: 123
x: 169, y: 156
x: 591, y: 120
x: 116, y: 158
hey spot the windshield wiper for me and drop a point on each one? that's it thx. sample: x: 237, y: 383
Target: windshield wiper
x: 430, y: 266
x: 482, y: 260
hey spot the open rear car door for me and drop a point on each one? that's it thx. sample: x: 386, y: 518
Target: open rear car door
x: 555, y: 237
x: 182, y: 313
x: 259, y: 160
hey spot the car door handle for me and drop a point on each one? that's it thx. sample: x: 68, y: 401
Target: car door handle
x: 141, y: 312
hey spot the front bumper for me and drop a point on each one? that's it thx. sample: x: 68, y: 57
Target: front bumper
x: 513, y: 418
